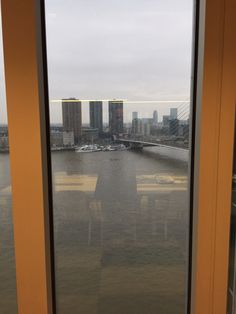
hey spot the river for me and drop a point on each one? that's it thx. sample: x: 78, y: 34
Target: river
x: 120, y: 225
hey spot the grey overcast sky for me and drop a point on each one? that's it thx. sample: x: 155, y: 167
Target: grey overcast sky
x: 126, y: 49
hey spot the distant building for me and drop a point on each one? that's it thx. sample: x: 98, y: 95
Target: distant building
x: 146, y: 129
x: 183, y: 122
x: 4, y: 144
x: 155, y: 117
x: 3, y: 129
x: 184, y: 130
x: 127, y: 128
x: 174, y: 127
x: 72, y: 117
x: 95, y: 112
x: 134, y: 115
x: 56, y: 127
x: 90, y: 134
x: 146, y: 126
x: 147, y: 121
x: 173, y: 113
x: 68, y: 138
x: 56, y: 138
x: 115, y: 116
x: 136, y: 126
x: 166, y: 120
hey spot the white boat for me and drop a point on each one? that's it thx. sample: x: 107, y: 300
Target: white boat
x: 88, y: 149
x: 111, y: 148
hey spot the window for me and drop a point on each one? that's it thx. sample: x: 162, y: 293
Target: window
x: 113, y: 233
x: 119, y: 81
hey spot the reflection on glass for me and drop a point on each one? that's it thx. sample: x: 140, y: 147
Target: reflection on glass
x: 8, y: 303
x: 120, y: 153
x: 231, y: 309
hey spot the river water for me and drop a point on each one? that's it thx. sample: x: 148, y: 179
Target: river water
x: 120, y: 225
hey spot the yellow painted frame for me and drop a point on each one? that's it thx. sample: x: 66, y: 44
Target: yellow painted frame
x: 26, y: 96
x: 216, y: 98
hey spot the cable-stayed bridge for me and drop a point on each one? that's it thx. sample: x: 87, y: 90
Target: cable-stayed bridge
x: 168, y: 139
x: 154, y: 149
x: 139, y: 144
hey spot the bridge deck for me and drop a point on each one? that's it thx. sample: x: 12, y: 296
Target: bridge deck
x: 149, y: 144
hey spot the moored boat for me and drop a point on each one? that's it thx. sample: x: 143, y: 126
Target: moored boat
x: 88, y: 149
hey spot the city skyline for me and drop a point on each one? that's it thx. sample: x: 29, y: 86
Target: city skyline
x: 134, y: 114
x: 101, y: 115
x: 145, y: 110
x: 174, y: 127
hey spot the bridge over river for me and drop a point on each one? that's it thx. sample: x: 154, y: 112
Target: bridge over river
x: 169, y: 151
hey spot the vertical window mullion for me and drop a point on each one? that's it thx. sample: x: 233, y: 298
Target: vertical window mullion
x: 213, y: 155
x: 26, y: 96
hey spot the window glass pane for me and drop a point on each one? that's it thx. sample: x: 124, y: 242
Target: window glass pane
x: 119, y: 81
x: 8, y: 303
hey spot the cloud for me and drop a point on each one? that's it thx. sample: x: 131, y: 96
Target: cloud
x: 133, y: 49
